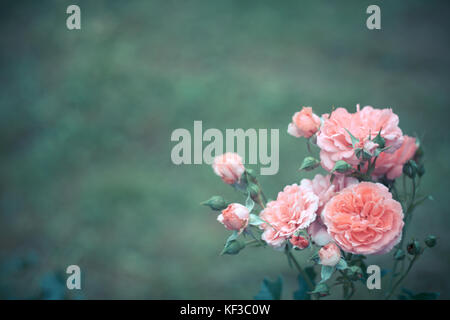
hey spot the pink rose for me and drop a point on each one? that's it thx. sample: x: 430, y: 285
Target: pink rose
x: 294, y: 209
x: 329, y: 254
x: 319, y: 233
x: 335, y: 142
x: 391, y: 164
x: 299, y: 242
x: 324, y: 189
x: 234, y: 217
x: 364, y: 219
x: 304, y: 123
x: 229, y: 167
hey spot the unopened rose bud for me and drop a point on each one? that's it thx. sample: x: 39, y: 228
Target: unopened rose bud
x: 421, y: 170
x: 414, y: 248
x: 430, y: 241
x: 216, y: 203
x: 410, y: 169
x: 253, y: 189
x: 319, y: 234
x: 419, y: 152
x: 329, y: 254
x: 304, y: 123
x: 309, y: 163
x: 379, y: 140
x: 233, y: 247
x: 299, y: 242
x: 234, y: 217
x: 341, y: 166
x: 229, y: 167
x: 399, y: 254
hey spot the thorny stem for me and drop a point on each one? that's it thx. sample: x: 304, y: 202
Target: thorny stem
x: 399, y: 281
x: 349, y: 282
x: 252, y: 242
x: 261, y: 199
x: 408, y: 213
x: 300, y: 270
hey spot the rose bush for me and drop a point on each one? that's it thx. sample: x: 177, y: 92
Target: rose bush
x: 353, y: 211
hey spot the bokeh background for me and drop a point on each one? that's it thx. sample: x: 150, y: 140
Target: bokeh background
x: 86, y: 117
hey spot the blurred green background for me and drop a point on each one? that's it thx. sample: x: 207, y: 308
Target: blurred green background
x: 86, y: 117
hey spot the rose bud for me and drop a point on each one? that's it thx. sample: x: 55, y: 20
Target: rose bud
x: 216, y: 203
x: 299, y: 242
x: 309, y: 163
x: 319, y: 234
x: 233, y: 247
x: 229, y: 167
x: 304, y: 123
x: 329, y: 254
x: 234, y: 217
x: 430, y: 241
x: 414, y: 248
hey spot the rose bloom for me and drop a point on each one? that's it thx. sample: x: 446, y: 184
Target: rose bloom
x: 336, y: 144
x: 234, y: 217
x: 229, y: 167
x: 325, y: 190
x: 364, y: 219
x: 299, y: 242
x: 304, y: 123
x: 294, y: 209
x: 329, y: 254
x: 391, y: 164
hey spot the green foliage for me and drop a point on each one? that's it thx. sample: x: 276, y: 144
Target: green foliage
x: 326, y: 273
x: 270, y: 290
x: 409, y: 295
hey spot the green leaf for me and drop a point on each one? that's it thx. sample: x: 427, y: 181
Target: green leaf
x: 409, y: 295
x: 255, y: 220
x: 249, y: 203
x: 354, y: 139
x: 326, y: 273
x: 270, y: 290
x: 322, y: 289
x: 426, y: 296
x: 311, y: 273
x: 233, y: 236
x: 341, y: 265
x: 302, y: 292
